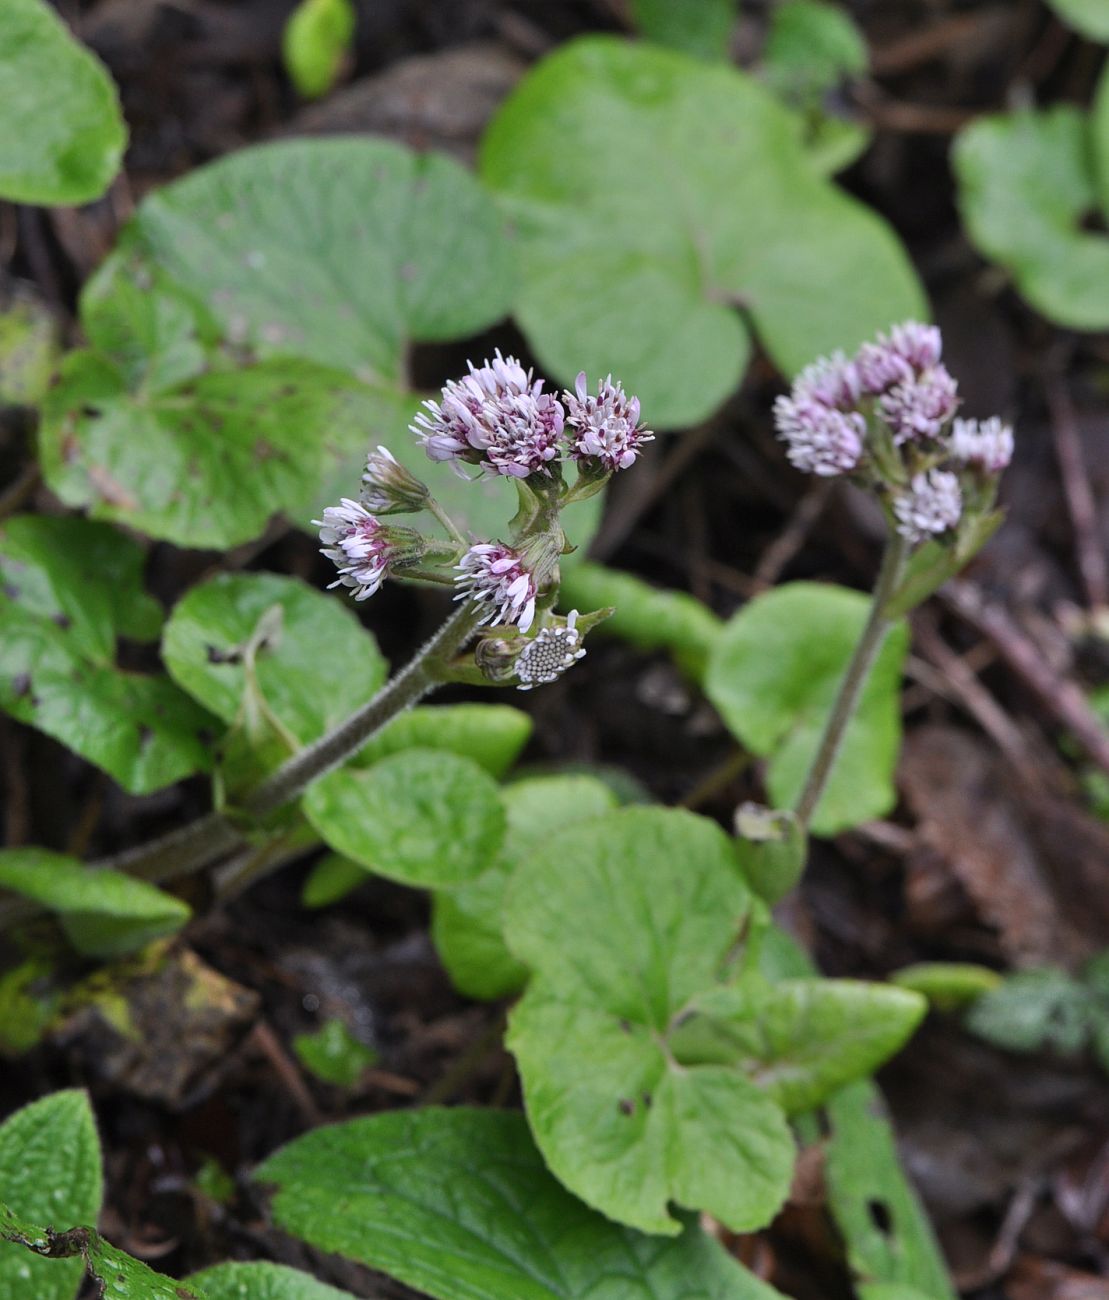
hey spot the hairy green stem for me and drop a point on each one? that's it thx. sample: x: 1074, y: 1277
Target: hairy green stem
x: 862, y: 660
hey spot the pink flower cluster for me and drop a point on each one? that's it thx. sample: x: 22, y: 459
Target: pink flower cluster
x: 900, y: 381
x: 499, y: 417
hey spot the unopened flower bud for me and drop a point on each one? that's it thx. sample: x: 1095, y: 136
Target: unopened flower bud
x: 389, y: 488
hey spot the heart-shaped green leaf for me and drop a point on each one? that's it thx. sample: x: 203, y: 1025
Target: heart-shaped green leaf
x: 423, y: 817
x: 654, y: 195
x: 68, y: 589
x: 341, y: 251
x: 624, y: 921
x: 458, y: 1204
x: 50, y: 1174
x: 215, y: 645
x: 208, y: 460
x: 774, y: 674
x: 1026, y: 184
x: 63, y: 135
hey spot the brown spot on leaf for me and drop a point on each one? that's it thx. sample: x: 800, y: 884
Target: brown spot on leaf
x: 626, y: 1106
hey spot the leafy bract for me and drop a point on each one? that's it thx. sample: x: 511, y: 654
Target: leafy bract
x: 467, y: 921
x: 252, y: 643
x: 105, y: 913
x: 262, y: 1281
x: 774, y: 674
x: 624, y: 920
x: 68, y: 589
x: 702, y: 28
x: 50, y: 1174
x: 889, y: 1239
x: 458, y: 1204
x: 315, y: 42
x: 1026, y: 184
x: 1090, y: 17
x: 205, y: 460
x: 63, y: 135
x: 652, y: 195
x: 341, y: 251
x: 799, y: 1039
x: 646, y: 616
x: 422, y: 816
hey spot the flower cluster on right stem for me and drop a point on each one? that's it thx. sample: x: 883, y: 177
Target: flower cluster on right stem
x: 886, y: 417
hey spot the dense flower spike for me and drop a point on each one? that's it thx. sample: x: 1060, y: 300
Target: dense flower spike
x: 358, y: 545
x: 388, y: 488
x: 985, y: 445
x: 932, y: 505
x: 604, y: 428
x: 548, y: 655
x: 820, y: 440
x: 496, y: 574
x: 496, y: 417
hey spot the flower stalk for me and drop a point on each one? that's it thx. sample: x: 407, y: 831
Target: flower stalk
x: 854, y: 680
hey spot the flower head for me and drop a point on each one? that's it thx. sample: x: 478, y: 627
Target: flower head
x: 831, y: 381
x: 388, y: 488
x: 604, y: 428
x: 932, y: 505
x: 549, y: 653
x: 497, y: 575
x: 985, y: 445
x: 921, y: 406
x: 496, y: 417
x: 359, y: 546
x: 820, y: 440
x: 906, y: 352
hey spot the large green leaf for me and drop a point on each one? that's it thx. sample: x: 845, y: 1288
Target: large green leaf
x: 261, y: 1282
x: 458, y: 1204
x: 50, y: 1174
x: 1026, y: 184
x: 211, y: 649
x: 652, y: 196
x: 69, y: 589
x: 774, y: 674
x: 208, y: 460
x: 799, y: 1039
x: 341, y: 251
x: 625, y: 921
x: 422, y: 816
x: 1099, y: 133
x: 889, y: 1239
x: 467, y: 922
x: 105, y: 913
x: 63, y: 135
